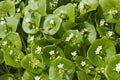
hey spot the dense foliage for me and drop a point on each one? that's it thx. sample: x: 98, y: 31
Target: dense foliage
x: 59, y: 39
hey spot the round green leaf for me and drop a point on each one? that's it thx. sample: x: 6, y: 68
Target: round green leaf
x: 61, y: 68
x: 38, y: 5
x: 110, y: 9
x: 13, y: 57
x: 51, y: 24
x: 32, y: 63
x: 31, y: 22
x: 50, y: 53
x: 112, y: 68
x: 66, y: 12
x: 12, y: 40
x: 86, y: 6
x: 100, y: 52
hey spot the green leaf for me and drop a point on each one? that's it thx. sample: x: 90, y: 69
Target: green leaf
x: 28, y: 76
x: 83, y: 76
x: 86, y: 6
x: 51, y: 24
x: 110, y: 9
x: 87, y: 30
x: 6, y: 77
x: 100, y: 52
x: 32, y: 63
x: 38, y: 5
x: 66, y: 12
x: 31, y: 22
x: 50, y: 53
x: 1, y: 57
x: 13, y: 57
x: 12, y: 40
x: 111, y: 68
x: 117, y: 27
x: 61, y: 68
x: 12, y: 23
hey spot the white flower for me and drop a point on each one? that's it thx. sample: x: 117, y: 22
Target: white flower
x: 75, y: 4
x: 18, y: 10
x: 83, y: 63
x: 51, y: 21
x: 2, y: 22
x: 74, y: 53
x: 60, y: 65
x: 113, y: 12
x: 110, y: 33
x: 38, y: 49
x: 69, y: 37
x: 11, y: 52
x: 31, y: 38
x: 4, y: 43
x: 81, y: 6
x: 99, y: 48
x: 52, y: 52
x: 117, y: 67
x: 27, y: 20
x: 61, y: 11
x: 102, y: 22
x: 37, y: 78
x: 83, y: 31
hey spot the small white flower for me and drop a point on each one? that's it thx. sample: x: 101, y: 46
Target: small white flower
x: 61, y: 11
x: 74, y: 53
x: 2, y: 22
x: 11, y: 52
x: 27, y: 20
x: 51, y: 21
x: 31, y: 38
x: 81, y: 6
x: 52, y: 4
x: 60, y: 65
x: 75, y: 4
x: 113, y: 12
x: 69, y: 37
x: 38, y: 49
x: 110, y: 33
x: 4, y: 43
x: 18, y: 10
x: 117, y: 67
x: 37, y: 78
x: 83, y: 63
x: 99, y: 48
x: 102, y: 22
x: 83, y: 31
x: 52, y: 52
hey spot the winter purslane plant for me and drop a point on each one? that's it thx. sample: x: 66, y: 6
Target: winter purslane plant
x: 59, y: 39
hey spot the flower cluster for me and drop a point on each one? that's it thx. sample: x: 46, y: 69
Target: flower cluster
x: 69, y: 37
x: 99, y: 48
